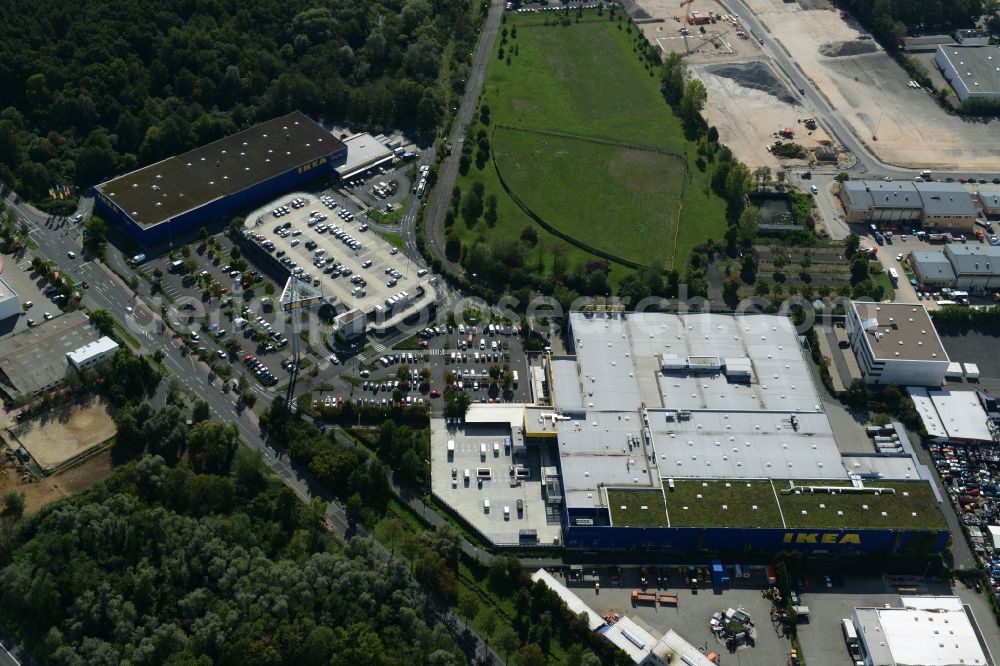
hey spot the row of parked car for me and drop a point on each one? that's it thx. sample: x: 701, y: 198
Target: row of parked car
x: 265, y: 376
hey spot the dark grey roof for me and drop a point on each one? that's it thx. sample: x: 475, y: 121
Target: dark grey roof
x: 974, y: 258
x: 978, y: 66
x: 933, y: 265
x: 934, y: 198
x: 181, y: 183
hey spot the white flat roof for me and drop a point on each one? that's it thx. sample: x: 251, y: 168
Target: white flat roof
x: 619, y: 362
x: 956, y: 415
x: 594, y: 450
x: 566, y: 392
x: 512, y: 413
x: 363, y: 150
x: 573, y: 602
x: 745, y: 445
x: 91, y: 349
x: 930, y: 631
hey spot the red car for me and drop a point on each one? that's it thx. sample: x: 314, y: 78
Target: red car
x: 435, y: 393
x: 248, y: 358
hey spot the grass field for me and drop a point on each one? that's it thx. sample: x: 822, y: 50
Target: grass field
x: 633, y: 515
x: 821, y: 509
x: 587, y: 79
x: 722, y: 504
x: 633, y: 196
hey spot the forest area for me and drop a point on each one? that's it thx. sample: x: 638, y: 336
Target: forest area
x: 100, y: 88
x: 193, y: 553
x: 892, y: 20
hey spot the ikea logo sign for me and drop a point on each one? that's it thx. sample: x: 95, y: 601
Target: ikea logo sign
x: 819, y: 538
x: 312, y: 165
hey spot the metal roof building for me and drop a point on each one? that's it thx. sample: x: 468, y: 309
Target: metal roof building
x: 990, y: 201
x: 956, y: 416
x: 34, y: 360
x: 181, y: 193
x: 926, y: 630
x: 932, y: 268
x: 975, y: 264
x: 973, y: 71
x: 946, y: 206
x: 363, y: 152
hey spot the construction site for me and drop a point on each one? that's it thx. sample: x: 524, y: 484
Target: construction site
x: 749, y: 101
x: 697, y: 29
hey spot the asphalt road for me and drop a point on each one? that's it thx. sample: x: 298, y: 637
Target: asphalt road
x: 448, y: 169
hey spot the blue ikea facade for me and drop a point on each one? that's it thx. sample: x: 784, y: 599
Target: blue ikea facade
x: 177, y: 195
x: 756, y: 540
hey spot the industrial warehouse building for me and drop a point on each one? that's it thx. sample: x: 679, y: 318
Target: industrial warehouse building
x: 945, y: 206
x: 689, y: 432
x: 932, y: 269
x: 10, y: 303
x: 35, y: 360
x: 364, y: 152
x: 958, y: 417
x: 182, y: 193
x: 972, y: 70
x: 927, y: 630
x: 896, y: 343
x: 989, y: 200
x: 973, y: 266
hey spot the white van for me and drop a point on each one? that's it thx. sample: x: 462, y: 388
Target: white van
x: 506, y: 512
x: 482, y: 343
x: 496, y: 449
x: 486, y: 506
x: 482, y: 450
x: 466, y: 477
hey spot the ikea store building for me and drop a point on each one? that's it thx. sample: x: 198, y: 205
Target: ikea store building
x: 185, y: 192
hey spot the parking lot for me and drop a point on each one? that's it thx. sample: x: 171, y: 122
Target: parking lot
x: 474, y: 470
x: 333, y: 250
x: 223, y: 329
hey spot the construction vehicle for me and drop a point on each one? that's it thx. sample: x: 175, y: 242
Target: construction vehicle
x: 642, y: 597
x: 810, y: 123
x: 787, y: 133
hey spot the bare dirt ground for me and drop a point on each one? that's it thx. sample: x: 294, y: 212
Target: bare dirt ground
x: 65, y: 433
x: 62, y: 484
x: 870, y: 91
x: 748, y: 117
x: 719, y: 42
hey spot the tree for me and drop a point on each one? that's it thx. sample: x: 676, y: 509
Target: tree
x: 13, y: 501
x: 472, y: 208
x: 103, y: 322
x: 851, y: 245
x: 859, y: 269
x: 748, y: 225
x: 200, y: 411
x: 692, y: 102
x: 506, y: 640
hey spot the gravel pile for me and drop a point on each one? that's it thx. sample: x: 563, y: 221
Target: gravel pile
x: 852, y: 48
x: 756, y: 76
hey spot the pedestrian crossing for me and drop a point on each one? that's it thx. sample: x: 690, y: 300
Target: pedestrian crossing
x: 361, y: 358
x: 378, y: 347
